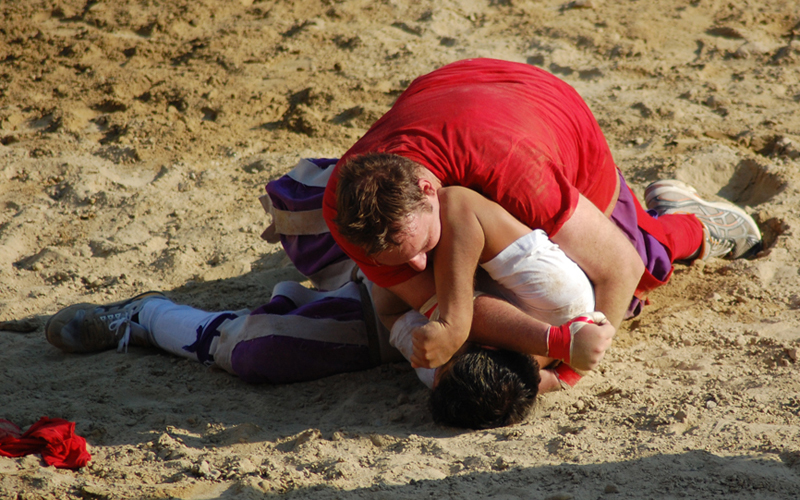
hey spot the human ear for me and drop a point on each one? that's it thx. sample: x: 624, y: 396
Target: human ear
x: 426, y: 187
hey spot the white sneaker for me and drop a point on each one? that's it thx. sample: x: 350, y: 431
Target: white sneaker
x: 727, y: 229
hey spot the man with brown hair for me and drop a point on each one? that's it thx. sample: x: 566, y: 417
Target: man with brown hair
x: 379, y: 191
x: 526, y: 140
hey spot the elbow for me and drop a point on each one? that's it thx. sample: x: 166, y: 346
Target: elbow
x: 627, y: 277
x: 635, y: 274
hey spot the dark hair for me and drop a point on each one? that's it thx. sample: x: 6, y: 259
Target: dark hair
x: 375, y: 192
x: 486, y: 388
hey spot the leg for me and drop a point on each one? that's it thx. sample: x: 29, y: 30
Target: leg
x: 679, y: 226
x: 300, y: 335
x: 184, y: 330
x: 659, y: 242
x: 149, y: 319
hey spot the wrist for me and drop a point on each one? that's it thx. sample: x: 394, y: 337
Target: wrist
x: 566, y: 376
x: 559, y: 342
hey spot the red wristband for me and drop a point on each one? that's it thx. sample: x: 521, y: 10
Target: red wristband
x: 558, y: 342
x: 567, y: 375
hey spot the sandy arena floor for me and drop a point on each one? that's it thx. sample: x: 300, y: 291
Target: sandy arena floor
x: 137, y: 135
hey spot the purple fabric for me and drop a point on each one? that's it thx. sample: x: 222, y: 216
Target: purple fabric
x: 278, y: 305
x: 310, y: 253
x: 282, y: 360
x: 288, y: 194
x: 205, y: 336
x: 323, y: 163
x: 653, y: 253
x: 337, y: 308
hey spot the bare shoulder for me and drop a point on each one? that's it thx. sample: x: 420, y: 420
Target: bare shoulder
x: 461, y: 198
x: 467, y: 200
x: 453, y: 194
x: 460, y: 205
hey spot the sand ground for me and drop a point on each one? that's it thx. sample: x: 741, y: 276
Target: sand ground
x: 137, y: 134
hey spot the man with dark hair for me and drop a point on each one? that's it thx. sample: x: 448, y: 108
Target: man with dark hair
x: 482, y: 388
x: 478, y: 388
x: 526, y: 140
x: 304, y: 334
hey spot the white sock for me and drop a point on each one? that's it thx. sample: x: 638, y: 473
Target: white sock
x: 173, y: 327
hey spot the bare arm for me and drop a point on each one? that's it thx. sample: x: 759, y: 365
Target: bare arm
x: 501, y: 324
x: 605, y: 255
x: 495, y: 322
x: 498, y: 323
x: 600, y: 247
x: 473, y: 229
x: 454, y: 262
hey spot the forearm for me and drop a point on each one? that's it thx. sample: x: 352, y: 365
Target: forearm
x: 455, y: 259
x: 498, y: 323
x: 455, y: 289
x: 395, y: 301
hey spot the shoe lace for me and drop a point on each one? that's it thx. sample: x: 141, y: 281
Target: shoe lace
x: 120, y: 319
x: 720, y: 246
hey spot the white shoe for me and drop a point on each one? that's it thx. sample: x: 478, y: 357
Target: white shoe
x: 727, y: 229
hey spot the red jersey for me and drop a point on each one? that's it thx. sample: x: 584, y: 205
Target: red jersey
x: 510, y: 131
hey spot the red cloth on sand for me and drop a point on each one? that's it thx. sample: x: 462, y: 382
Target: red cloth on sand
x: 53, y: 438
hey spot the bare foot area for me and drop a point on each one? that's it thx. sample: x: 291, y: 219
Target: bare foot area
x: 137, y: 135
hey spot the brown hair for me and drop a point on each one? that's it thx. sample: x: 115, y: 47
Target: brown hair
x: 376, y: 191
